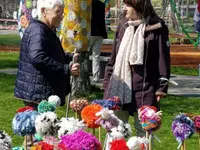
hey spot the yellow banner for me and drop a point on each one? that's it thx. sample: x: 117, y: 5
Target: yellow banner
x: 76, y: 28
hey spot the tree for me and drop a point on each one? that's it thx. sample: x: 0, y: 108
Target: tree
x: 75, y: 37
x: 187, y: 10
x: 173, y: 15
x: 165, y: 3
x: 157, y: 3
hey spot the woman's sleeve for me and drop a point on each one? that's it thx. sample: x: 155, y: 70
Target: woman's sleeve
x: 68, y: 57
x: 164, y: 61
x: 40, y: 59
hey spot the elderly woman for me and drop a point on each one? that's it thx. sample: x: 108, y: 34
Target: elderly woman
x: 44, y: 68
x: 139, y: 68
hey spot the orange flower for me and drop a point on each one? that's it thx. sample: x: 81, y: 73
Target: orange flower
x: 88, y: 115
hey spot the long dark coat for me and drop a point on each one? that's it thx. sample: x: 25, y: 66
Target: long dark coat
x: 43, y: 66
x: 146, y: 83
x: 98, y: 27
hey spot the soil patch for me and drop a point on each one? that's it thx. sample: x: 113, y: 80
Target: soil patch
x: 9, y: 48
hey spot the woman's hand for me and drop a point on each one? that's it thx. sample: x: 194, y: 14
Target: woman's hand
x: 75, y: 57
x: 158, y: 97
x: 75, y: 69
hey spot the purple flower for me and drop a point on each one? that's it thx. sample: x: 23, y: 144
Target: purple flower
x: 112, y: 105
x: 182, y: 127
x: 81, y: 140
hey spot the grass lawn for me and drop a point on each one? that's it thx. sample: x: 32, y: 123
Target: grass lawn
x: 9, y: 59
x: 10, y: 40
x: 170, y: 106
x: 184, y: 71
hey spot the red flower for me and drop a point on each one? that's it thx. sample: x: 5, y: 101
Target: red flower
x: 119, y: 145
x: 25, y: 109
x: 61, y: 146
x: 45, y: 146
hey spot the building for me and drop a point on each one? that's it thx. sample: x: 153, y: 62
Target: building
x: 7, y: 7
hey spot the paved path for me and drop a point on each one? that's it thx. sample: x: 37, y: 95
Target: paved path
x: 185, y: 85
x: 8, y: 31
x: 8, y: 71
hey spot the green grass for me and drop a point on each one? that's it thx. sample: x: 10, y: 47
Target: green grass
x: 9, y: 60
x: 184, y: 71
x: 10, y: 40
x: 170, y: 106
x: 8, y: 106
x: 111, y: 34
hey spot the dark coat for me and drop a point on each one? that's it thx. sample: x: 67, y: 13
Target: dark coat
x: 145, y: 78
x: 98, y: 27
x: 43, y: 66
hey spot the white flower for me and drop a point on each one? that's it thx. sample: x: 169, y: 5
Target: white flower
x: 5, y: 141
x: 70, y: 34
x: 45, y: 124
x: 135, y: 143
x: 71, y: 16
x: 78, y: 44
x: 69, y: 126
x: 54, y: 100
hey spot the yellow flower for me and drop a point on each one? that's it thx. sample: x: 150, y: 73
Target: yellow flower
x: 77, y: 37
x: 64, y: 43
x: 66, y: 11
x: 71, y: 25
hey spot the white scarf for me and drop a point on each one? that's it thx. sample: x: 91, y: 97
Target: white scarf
x: 131, y: 52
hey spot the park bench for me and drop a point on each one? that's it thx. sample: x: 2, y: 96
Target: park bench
x: 104, y: 56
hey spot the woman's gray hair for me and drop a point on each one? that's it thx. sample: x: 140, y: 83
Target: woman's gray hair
x: 49, y: 4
